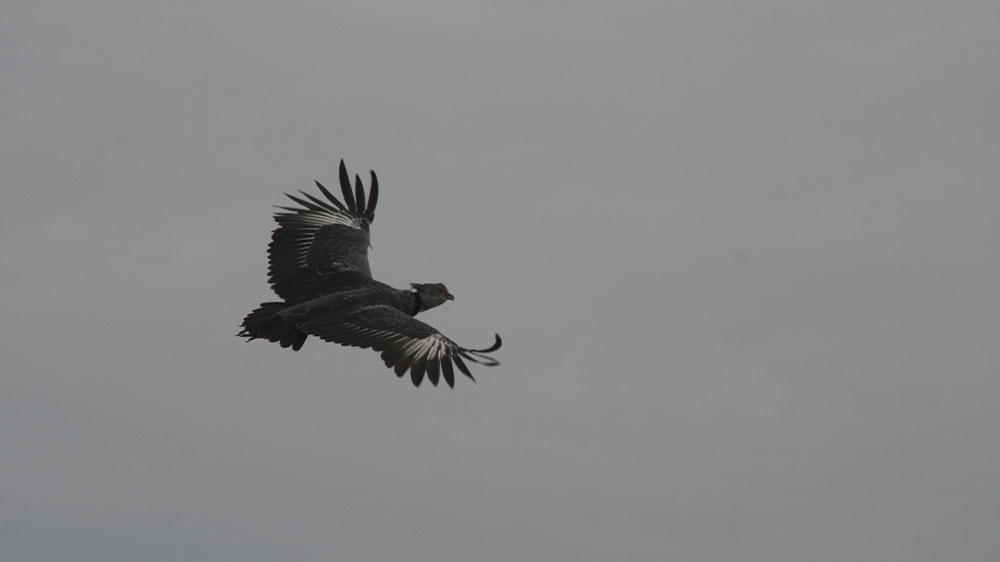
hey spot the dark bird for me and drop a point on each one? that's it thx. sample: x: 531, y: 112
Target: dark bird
x: 318, y: 265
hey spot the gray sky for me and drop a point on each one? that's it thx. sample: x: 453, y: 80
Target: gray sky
x: 743, y: 256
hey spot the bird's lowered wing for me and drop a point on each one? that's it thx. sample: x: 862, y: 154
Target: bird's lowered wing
x: 321, y: 242
x: 405, y: 342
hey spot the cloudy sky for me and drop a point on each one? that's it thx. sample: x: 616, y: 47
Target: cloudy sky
x: 743, y: 256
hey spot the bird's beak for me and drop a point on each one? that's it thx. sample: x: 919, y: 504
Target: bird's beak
x: 450, y: 297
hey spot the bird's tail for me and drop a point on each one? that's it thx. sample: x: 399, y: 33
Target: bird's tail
x: 266, y: 323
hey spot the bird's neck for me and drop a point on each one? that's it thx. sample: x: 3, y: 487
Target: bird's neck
x: 418, y: 303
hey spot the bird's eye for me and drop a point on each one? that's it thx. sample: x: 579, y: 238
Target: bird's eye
x: 442, y: 292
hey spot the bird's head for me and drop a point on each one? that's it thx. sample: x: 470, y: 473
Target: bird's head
x: 431, y: 294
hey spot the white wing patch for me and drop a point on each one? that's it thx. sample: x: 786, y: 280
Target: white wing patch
x: 319, y: 219
x: 303, y: 225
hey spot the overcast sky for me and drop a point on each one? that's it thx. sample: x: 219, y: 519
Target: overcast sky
x: 743, y: 256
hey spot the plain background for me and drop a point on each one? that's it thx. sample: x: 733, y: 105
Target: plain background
x: 743, y: 256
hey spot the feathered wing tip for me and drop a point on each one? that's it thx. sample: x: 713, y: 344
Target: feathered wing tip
x: 372, y: 198
x: 496, y: 345
x: 328, y: 195
x: 359, y: 193
x: 437, y: 366
x: 479, y: 355
x: 345, y: 188
x: 354, y: 198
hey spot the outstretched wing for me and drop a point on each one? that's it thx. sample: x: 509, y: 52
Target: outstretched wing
x: 405, y: 342
x: 321, y: 244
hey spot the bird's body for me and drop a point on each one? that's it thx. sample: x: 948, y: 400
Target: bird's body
x: 318, y: 260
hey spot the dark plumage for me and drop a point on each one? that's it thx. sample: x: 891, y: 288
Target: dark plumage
x: 318, y: 265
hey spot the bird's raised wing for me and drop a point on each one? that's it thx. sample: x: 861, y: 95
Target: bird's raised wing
x: 405, y: 342
x: 321, y: 243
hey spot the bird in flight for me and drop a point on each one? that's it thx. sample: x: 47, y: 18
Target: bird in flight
x: 318, y: 265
